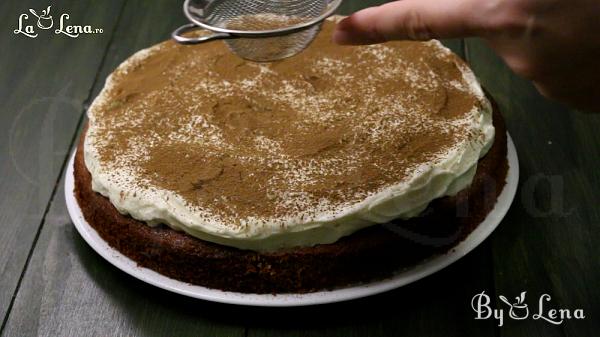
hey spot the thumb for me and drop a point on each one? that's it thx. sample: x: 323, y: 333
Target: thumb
x: 409, y: 20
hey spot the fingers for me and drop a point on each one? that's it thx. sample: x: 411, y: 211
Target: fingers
x: 409, y: 19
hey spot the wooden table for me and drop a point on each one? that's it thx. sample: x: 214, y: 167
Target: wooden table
x: 53, y: 284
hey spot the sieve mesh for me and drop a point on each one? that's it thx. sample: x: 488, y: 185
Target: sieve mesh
x: 261, y: 30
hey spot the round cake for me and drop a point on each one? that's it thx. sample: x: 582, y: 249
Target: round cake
x: 337, y: 166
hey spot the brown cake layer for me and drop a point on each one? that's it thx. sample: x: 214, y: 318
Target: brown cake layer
x: 372, y: 253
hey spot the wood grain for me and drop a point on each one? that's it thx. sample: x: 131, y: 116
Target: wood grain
x: 44, y: 84
x: 438, y: 305
x: 548, y: 243
x: 68, y: 290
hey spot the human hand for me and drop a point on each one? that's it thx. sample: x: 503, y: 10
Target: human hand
x: 554, y: 43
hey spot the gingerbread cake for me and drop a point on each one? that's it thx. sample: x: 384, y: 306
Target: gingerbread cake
x: 337, y: 166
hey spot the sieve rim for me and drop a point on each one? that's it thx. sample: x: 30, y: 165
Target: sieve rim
x: 333, y: 6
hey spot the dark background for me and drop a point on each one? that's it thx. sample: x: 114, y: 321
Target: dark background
x: 53, y: 284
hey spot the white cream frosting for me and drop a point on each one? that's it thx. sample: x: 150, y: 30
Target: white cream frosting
x: 452, y: 173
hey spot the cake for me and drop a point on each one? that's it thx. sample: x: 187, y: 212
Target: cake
x: 338, y: 166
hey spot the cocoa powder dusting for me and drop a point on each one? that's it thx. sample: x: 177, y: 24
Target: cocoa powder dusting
x: 313, y: 133
x: 262, y: 21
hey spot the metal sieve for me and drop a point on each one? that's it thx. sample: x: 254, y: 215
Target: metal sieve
x: 257, y: 30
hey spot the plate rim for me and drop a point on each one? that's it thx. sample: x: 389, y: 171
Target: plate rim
x: 410, y: 275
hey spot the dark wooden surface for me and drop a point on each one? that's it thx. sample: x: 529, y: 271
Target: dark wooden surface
x: 53, y: 284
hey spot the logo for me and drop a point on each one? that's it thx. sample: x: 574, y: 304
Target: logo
x: 45, y: 20
x: 27, y: 26
x: 519, y: 310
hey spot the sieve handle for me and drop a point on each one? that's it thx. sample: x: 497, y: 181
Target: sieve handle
x: 177, y: 35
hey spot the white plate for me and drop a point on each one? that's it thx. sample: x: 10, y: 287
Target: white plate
x: 415, y: 273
